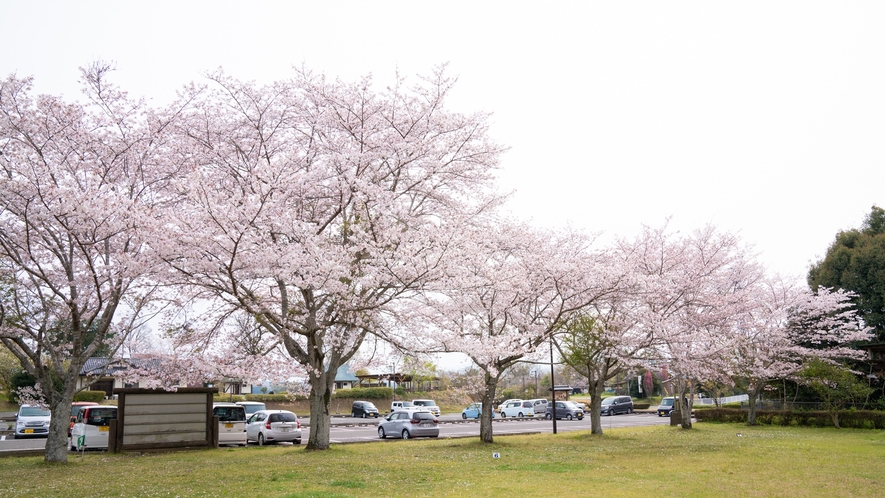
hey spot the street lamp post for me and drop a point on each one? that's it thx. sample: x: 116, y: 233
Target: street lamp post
x: 552, y: 388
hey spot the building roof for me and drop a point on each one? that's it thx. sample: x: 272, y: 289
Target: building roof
x: 345, y: 375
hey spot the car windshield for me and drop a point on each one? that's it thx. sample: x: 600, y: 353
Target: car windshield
x: 76, y: 408
x: 407, y: 404
x: 369, y: 406
x: 33, y: 411
x: 608, y: 401
x: 229, y: 413
x: 101, y: 416
x: 667, y: 402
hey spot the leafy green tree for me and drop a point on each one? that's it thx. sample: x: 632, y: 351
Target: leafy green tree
x: 856, y: 262
x: 836, y: 385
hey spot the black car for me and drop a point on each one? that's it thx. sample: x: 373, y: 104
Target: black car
x: 665, y: 407
x: 616, y: 404
x: 363, y: 409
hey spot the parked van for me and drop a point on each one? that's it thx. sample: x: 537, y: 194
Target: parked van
x: 92, y: 427
x: 251, y: 406
x: 231, y: 423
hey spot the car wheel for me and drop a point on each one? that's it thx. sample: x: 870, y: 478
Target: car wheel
x: 364, y: 414
x: 568, y: 416
x: 406, y: 434
x: 464, y: 416
x: 260, y: 439
x: 521, y: 415
x: 352, y: 414
x: 297, y: 441
x: 630, y: 411
x: 503, y: 415
x: 381, y: 433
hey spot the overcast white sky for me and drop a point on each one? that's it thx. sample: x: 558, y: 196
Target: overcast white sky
x: 763, y: 118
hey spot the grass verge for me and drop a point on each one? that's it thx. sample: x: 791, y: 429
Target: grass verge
x: 711, y: 459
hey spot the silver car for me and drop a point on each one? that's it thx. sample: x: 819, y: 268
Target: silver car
x: 409, y: 424
x: 273, y: 426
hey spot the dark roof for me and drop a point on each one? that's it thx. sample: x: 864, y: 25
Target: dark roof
x: 101, y: 366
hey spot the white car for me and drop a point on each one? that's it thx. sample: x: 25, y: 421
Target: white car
x: 427, y: 404
x: 32, y: 421
x: 502, y: 405
x: 518, y: 408
x: 404, y: 406
x: 92, y: 427
x: 251, y: 406
x: 273, y: 426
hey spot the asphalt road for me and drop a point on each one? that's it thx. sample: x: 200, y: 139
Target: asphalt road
x: 355, y: 430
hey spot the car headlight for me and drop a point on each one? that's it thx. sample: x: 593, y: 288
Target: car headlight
x: 19, y: 424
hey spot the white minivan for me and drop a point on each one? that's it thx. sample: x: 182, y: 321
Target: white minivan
x: 231, y: 423
x: 92, y: 427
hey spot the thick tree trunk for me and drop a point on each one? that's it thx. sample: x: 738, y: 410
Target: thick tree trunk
x: 60, y: 406
x: 684, y: 399
x: 488, y: 400
x: 57, y: 442
x: 752, y: 395
x: 320, y: 399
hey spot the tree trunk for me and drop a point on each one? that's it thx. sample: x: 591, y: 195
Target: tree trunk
x: 488, y: 400
x: 751, y: 414
x: 320, y: 400
x: 684, y: 400
x: 597, y: 386
x: 60, y: 423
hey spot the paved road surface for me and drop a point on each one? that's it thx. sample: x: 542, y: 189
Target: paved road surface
x: 353, y: 430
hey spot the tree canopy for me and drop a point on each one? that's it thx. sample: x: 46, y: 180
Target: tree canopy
x: 856, y: 262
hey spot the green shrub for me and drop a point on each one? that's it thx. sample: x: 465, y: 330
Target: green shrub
x: 93, y: 396
x: 854, y: 419
x: 364, y: 393
x: 227, y: 398
x: 276, y: 398
x: 641, y: 406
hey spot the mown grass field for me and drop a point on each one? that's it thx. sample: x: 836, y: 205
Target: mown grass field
x: 709, y: 460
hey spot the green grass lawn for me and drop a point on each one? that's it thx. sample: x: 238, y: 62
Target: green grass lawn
x: 709, y: 460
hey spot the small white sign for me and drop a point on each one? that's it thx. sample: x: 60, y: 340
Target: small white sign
x: 496, y: 455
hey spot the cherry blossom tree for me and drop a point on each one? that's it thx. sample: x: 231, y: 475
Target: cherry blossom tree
x: 79, y: 185
x: 692, y: 290
x: 315, y: 205
x: 510, y: 290
x: 785, y: 327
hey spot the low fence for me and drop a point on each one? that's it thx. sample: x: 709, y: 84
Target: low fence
x: 721, y: 401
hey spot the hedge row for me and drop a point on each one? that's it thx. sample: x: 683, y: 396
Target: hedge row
x: 275, y: 398
x: 93, y: 396
x: 854, y: 419
x: 364, y: 393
